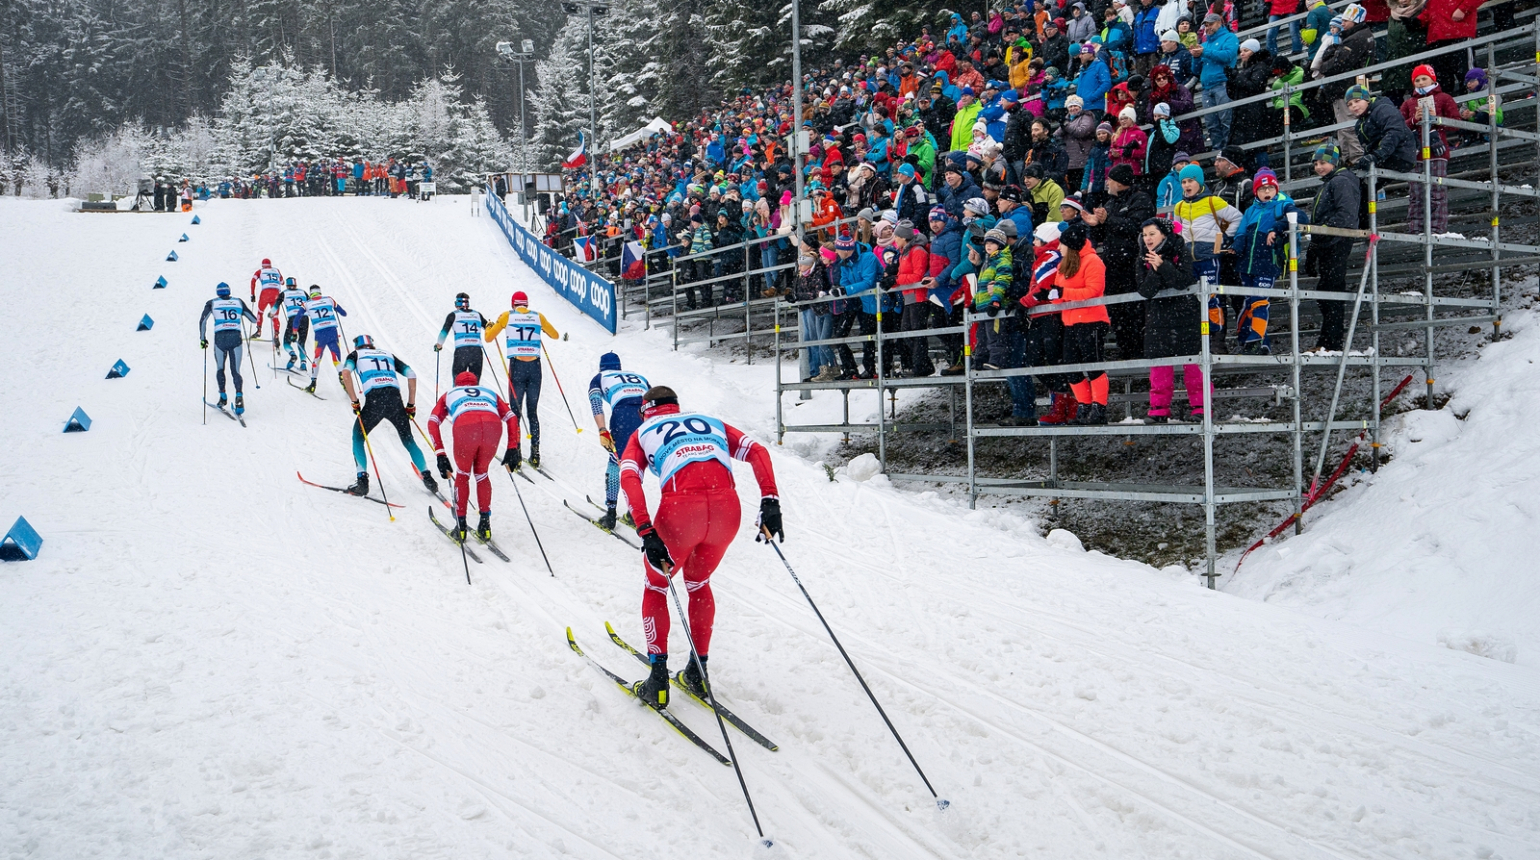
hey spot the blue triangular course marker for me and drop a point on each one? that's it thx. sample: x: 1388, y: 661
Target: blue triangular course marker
x: 118, y: 370
x: 79, y: 421
x: 21, y: 543
x: 145, y: 324
x: 183, y: 239
x: 160, y: 283
x: 171, y: 257
x: 195, y: 220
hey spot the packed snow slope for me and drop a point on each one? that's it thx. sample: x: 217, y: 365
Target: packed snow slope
x: 210, y: 659
x: 1438, y: 545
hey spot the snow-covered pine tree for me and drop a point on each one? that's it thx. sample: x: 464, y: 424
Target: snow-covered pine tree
x: 561, y: 97
x: 876, y: 24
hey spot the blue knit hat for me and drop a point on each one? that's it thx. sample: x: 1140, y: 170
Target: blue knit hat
x: 1357, y: 92
x: 1193, y: 172
x: 609, y: 361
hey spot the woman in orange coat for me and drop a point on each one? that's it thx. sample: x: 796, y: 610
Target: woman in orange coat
x: 1082, y: 276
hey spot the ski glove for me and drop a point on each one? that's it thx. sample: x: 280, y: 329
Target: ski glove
x: 607, y: 441
x: 770, y: 521
x: 411, y: 410
x: 444, y: 469
x: 203, y: 344
x: 438, y: 347
x: 356, y: 408
x: 994, y: 308
x: 655, y: 550
x: 512, y: 458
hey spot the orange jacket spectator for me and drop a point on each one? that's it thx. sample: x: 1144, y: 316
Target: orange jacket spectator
x: 1088, y: 283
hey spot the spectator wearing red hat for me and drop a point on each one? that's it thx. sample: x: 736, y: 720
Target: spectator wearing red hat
x: 1426, y: 94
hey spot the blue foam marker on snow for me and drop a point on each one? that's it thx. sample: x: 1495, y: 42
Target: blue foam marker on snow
x: 118, y: 370
x: 145, y: 324
x: 21, y: 543
x: 79, y: 421
x: 195, y: 220
x: 160, y: 283
x: 183, y: 239
x: 171, y: 257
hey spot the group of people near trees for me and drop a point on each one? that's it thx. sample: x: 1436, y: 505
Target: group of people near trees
x: 1041, y: 156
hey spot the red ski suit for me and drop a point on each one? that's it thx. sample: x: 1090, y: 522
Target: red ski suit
x: 697, y: 518
x: 477, y: 428
x: 269, y: 299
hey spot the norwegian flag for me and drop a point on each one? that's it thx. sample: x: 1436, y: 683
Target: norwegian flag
x: 579, y: 156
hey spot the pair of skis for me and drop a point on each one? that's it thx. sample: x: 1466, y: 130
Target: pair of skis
x: 225, y: 411
x: 600, y: 526
x: 302, y: 388
x: 732, y: 719
x: 489, y: 544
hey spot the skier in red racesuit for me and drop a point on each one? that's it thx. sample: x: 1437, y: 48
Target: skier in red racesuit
x: 477, y: 416
x: 697, y: 518
x: 271, y: 282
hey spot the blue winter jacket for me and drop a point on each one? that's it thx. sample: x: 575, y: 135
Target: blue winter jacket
x: 953, y: 201
x: 1219, y: 54
x: 1146, y: 39
x: 858, y: 277
x: 948, y: 244
x: 1253, y: 255
x: 1092, y: 85
x: 1022, y: 217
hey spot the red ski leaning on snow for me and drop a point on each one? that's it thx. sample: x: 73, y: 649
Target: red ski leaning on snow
x: 697, y: 518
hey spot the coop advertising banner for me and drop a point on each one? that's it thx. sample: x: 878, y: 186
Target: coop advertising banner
x: 592, y: 294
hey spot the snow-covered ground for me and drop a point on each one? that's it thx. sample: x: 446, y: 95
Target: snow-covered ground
x: 210, y: 659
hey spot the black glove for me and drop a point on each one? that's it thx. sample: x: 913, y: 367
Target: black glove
x: 770, y: 520
x: 655, y: 550
x: 203, y: 344
x: 1366, y: 162
x: 444, y: 469
x: 437, y: 347
x: 356, y: 408
x: 512, y: 458
x: 994, y: 308
x: 411, y: 410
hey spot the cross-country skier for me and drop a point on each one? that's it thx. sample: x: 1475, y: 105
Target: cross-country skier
x: 697, y: 519
x: 623, y: 392
x: 467, y: 326
x: 477, y: 416
x: 227, y: 313
x: 380, y: 373
x: 271, y: 281
x: 323, y: 313
x: 292, y: 301
x: 522, y: 346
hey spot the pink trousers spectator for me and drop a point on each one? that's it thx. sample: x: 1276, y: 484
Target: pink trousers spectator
x: 1163, y: 382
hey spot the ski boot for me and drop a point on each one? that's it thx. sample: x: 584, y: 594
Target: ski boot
x: 692, y: 679
x: 311, y: 387
x: 484, y: 527
x: 534, y: 454
x: 427, y: 481
x: 361, y: 486
x: 290, y: 365
x: 626, y: 518
x: 460, y: 530
x: 653, y: 690
x: 240, y: 404
x: 222, y: 400
x: 607, y: 522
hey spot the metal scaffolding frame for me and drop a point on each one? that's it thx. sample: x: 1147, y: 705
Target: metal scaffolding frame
x: 1476, y: 196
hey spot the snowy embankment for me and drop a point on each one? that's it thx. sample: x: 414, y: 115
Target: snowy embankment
x: 211, y: 659
x: 1439, y: 545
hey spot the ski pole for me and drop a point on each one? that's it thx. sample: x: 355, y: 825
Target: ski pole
x: 940, y: 803
x: 530, y: 521
x: 689, y: 636
x: 495, y: 380
x: 381, y: 481
x: 251, y: 362
x: 454, y: 493
x: 436, y: 354
x: 205, y: 385
x: 559, y: 389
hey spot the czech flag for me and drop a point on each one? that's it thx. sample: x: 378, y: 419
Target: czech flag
x: 579, y: 156
x: 633, y: 261
x: 585, y: 249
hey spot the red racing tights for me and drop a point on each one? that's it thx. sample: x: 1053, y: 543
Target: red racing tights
x: 697, y: 526
x: 268, y: 299
x: 476, y: 436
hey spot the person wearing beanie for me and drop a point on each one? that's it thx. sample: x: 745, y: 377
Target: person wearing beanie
x: 1129, y: 142
x: 999, y: 334
x: 1335, y: 205
x: 1169, y: 191
x: 1081, y: 276
x: 1382, y: 132
x: 1474, y: 109
x: 521, y: 346
x: 1044, y: 327
x: 1076, y: 135
x: 1171, y: 324
x: 1207, y: 223
x: 1098, y: 162
x: 1260, y: 244
x: 856, y: 273
x: 946, y: 258
x: 913, y: 269
x: 810, y: 290
x: 1046, y: 195
x: 1114, y: 227
x: 1253, y: 76
x: 1355, y: 50
x: 1427, y: 93
x: 1317, y: 23
x: 1094, y: 80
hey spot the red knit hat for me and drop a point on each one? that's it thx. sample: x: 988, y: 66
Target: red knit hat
x: 1424, y: 69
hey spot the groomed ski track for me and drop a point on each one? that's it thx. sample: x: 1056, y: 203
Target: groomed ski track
x: 211, y: 660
